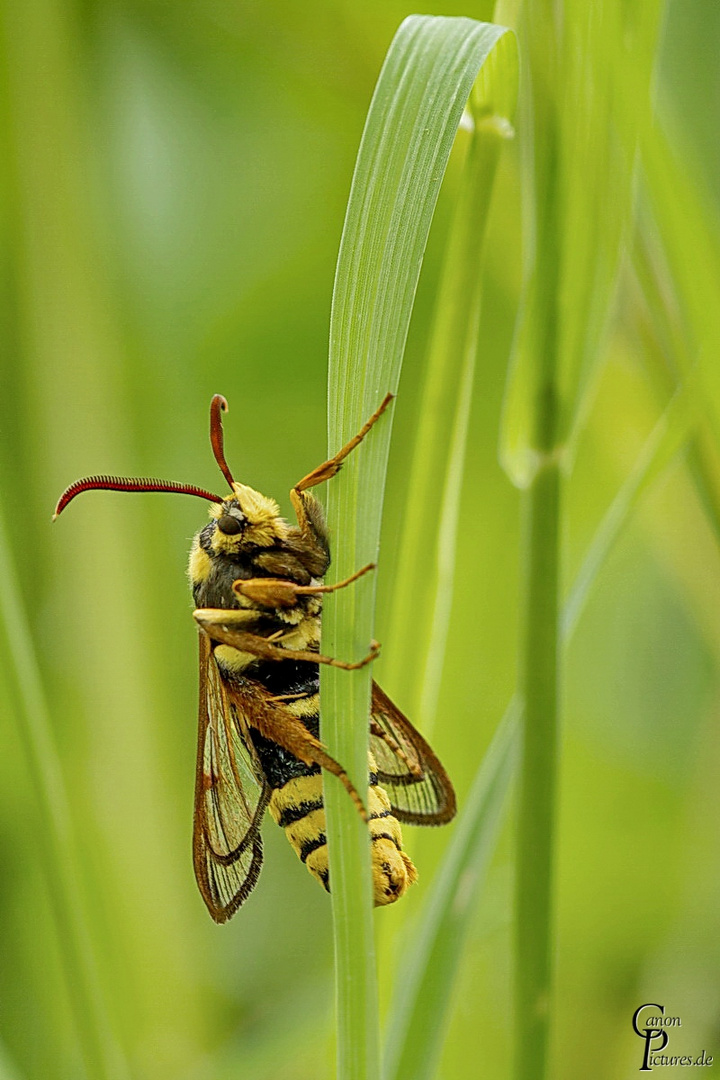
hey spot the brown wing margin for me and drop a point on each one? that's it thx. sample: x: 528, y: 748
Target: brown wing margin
x: 230, y: 798
x: 419, y: 789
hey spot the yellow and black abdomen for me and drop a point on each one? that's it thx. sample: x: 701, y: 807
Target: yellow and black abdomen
x: 296, y: 802
x: 297, y: 807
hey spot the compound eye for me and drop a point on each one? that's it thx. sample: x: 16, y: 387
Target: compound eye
x: 229, y: 525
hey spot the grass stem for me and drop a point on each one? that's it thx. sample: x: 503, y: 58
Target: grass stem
x: 538, y: 771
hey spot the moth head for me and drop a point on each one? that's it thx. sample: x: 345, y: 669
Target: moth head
x: 246, y: 519
x: 242, y: 519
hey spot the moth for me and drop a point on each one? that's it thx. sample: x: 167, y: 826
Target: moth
x: 257, y: 584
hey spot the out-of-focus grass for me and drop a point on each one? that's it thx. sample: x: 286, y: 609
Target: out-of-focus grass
x: 174, y: 184
x: 53, y: 830
x: 580, y: 149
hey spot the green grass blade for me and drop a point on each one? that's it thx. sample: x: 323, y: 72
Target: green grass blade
x: 54, y: 832
x: 678, y: 225
x: 417, y: 1022
x: 591, y: 75
x: 690, y: 232
x: 667, y: 437
x: 423, y: 590
x: 534, y: 407
x: 422, y: 90
x: 582, y: 62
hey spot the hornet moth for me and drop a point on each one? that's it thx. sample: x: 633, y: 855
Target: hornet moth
x: 257, y: 586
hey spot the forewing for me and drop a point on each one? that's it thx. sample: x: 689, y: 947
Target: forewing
x: 419, y: 789
x: 230, y: 797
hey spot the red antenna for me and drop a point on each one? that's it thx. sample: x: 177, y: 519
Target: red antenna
x: 121, y: 483
x: 218, y: 405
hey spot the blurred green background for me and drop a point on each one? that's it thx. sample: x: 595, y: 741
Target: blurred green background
x: 174, y: 181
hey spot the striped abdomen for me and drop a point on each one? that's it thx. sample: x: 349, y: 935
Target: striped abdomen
x: 298, y: 808
x: 296, y: 804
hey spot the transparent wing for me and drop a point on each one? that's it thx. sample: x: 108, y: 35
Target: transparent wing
x: 419, y: 789
x: 230, y: 797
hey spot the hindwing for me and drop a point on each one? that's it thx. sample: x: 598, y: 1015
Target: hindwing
x: 417, y: 785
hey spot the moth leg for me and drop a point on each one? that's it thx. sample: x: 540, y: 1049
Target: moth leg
x: 307, y: 509
x: 238, y: 617
x: 332, y: 466
x: 281, y: 593
x: 311, y: 519
x: 225, y: 630
x: 396, y: 748
x: 281, y: 727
